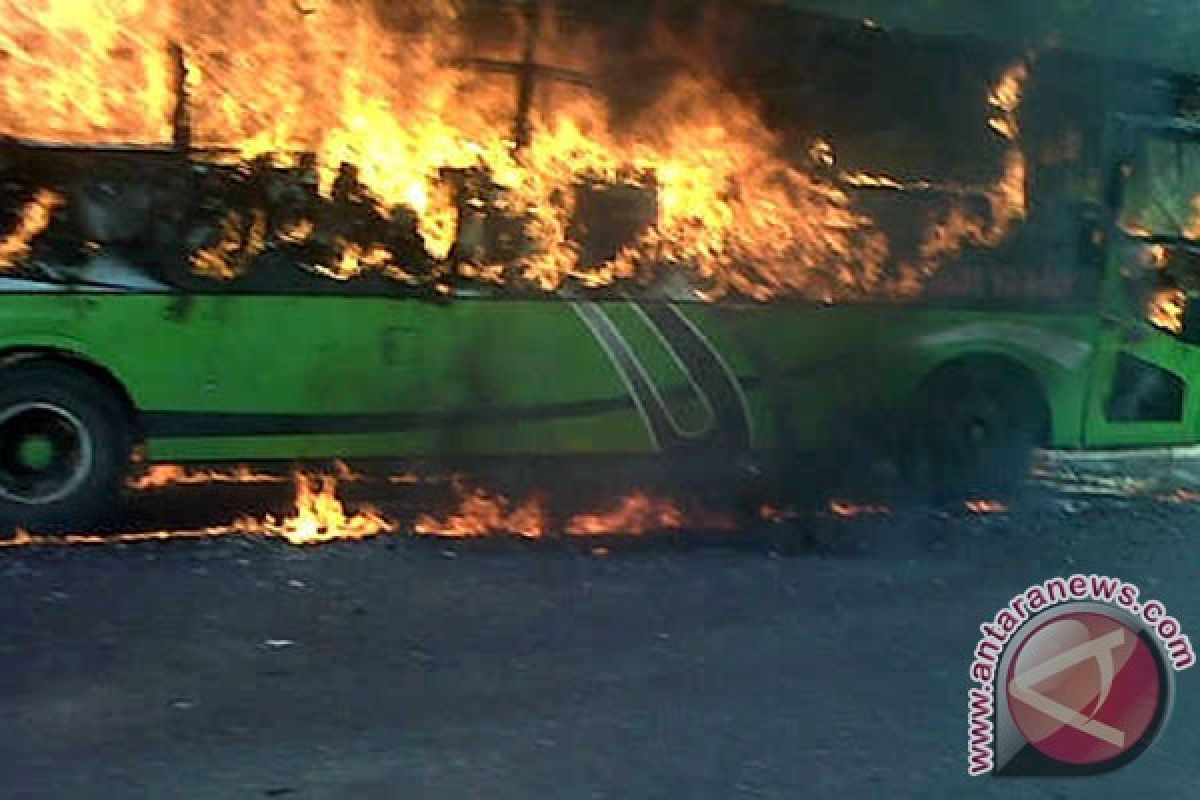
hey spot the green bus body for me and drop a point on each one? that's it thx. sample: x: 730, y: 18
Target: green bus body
x: 225, y: 377
x: 285, y: 376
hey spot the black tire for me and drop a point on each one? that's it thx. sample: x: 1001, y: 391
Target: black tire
x: 972, y: 429
x: 65, y: 446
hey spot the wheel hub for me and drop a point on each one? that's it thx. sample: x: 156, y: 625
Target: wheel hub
x: 36, y: 452
x: 977, y: 432
x: 46, y: 453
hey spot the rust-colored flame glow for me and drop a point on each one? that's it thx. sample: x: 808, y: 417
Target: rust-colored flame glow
x: 636, y: 514
x: 870, y: 180
x: 986, y: 507
x: 320, y: 517
x: 242, y: 239
x: 848, y: 509
x: 775, y: 515
x: 1006, y: 200
x: 162, y: 475
x: 34, y: 218
x: 1167, y: 309
x: 1192, y: 231
x: 378, y: 86
x: 482, y: 514
x: 1181, y: 496
x: 23, y: 538
x: 346, y: 473
x: 1005, y: 100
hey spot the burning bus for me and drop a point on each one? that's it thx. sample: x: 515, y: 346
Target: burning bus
x: 280, y: 231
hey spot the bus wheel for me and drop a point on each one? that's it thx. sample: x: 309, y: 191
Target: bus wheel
x: 65, y: 446
x: 973, y: 429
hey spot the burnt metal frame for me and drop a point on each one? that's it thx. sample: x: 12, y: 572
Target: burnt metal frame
x: 528, y: 72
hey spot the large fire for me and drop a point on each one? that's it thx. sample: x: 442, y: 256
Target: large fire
x: 392, y: 93
x: 87, y: 70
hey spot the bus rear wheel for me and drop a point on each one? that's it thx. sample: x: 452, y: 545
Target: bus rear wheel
x: 65, y: 446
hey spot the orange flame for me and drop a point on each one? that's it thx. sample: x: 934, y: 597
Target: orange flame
x: 482, y: 514
x: 1007, y: 199
x: 636, y: 514
x: 241, y: 240
x: 775, y: 515
x: 1167, y: 310
x: 870, y: 180
x: 847, y: 509
x: 1005, y: 100
x: 1007, y: 203
x: 23, y: 538
x: 34, y: 218
x: 87, y: 70
x: 162, y: 475
x: 961, y: 226
x: 1181, y: 496
x: 354, y: 84
x: 1192, y: 230
x: 986, y: 507
x: 320, y: 517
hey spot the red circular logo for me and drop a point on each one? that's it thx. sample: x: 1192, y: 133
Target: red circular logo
x: 1084, y: 688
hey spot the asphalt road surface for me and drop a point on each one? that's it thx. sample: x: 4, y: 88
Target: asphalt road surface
x: 822, y: 657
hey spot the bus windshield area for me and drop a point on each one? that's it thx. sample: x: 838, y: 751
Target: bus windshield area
x: 1160, y: 216
x: 1161, y: 192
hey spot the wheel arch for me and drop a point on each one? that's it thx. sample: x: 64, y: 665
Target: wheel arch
x: 80, y: 363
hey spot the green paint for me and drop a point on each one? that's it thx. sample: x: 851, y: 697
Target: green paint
x: 35, y: 452
x: 497, y: 365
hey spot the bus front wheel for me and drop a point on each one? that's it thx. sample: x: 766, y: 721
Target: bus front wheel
x: 973, y: 429
x: 65, y: 447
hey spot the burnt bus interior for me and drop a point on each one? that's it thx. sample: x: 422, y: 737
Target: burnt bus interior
x: 902, y: 124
